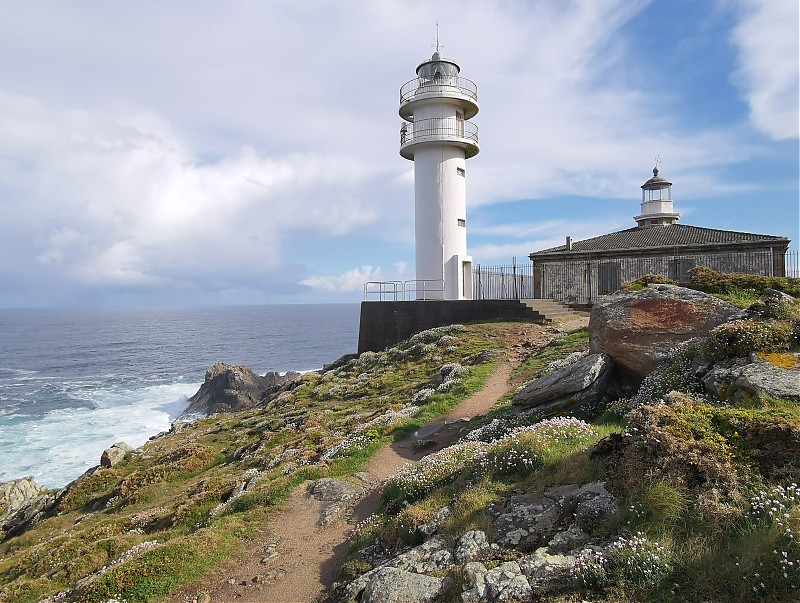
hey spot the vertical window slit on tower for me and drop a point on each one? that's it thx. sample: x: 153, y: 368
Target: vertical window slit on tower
x: 461, y: 172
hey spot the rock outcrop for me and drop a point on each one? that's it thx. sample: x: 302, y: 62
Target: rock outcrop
x: 16, y: 494
x: 113, y: 455
x: 581, y: 383
x: 751, y: 376
x: 555, y: 526
x: 230, y: 388
x: 639, y: 329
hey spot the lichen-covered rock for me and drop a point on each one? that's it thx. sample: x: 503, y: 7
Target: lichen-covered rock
x: 568, y: 539
x: 639, y: 329
x: 429, y: 528
x: 764, y: 377
x: 337, y: 494
x: 431, y: 556
x: 542, y: 567
x: 393, y: 585
x: 527, y: 522
x: 472, y: 546
x: 506, y: 582
x: 593, y: 505
x: 581, y: 383
x: 752, y: 376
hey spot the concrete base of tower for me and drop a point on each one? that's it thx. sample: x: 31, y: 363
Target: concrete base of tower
x: 458, y: 277
x: 385, y: 323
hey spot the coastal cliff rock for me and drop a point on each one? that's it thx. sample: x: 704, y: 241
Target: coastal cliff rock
x: 230, y: 388
x: 16, y: 494
x: 640, y: 328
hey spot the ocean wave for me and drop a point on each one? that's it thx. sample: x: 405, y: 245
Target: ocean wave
x: 64, y: 442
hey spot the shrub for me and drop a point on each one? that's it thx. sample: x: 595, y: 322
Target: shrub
x: 412, y: 482
x: 741, y: 337
x: 710, y: 281
x: 643, y: 281
x: 637, y: 559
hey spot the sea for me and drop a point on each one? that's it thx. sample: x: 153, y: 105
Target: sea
x: 75, y: 381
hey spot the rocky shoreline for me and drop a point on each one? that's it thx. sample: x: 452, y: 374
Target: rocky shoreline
x: 226, y: 388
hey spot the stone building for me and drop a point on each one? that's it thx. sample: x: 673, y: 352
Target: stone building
x: 578, y: 272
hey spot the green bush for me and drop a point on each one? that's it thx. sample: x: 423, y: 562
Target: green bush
x: 643, y: 281
x: 740, y: 337
x: 710, y: 281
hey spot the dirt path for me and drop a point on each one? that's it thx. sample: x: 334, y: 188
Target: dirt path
x: 296, y: 559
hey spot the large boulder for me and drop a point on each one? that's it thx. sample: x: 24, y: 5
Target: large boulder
x: 113, y: 455
x: 753, y: 376
x: 392, y: 585
x: 640, y: 328
x: 581, y: 383
x: 230, y: 388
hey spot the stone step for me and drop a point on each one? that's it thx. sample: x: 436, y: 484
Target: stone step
x: 547, y: 309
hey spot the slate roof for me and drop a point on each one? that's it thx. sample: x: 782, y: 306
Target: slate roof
x: 663, y: 236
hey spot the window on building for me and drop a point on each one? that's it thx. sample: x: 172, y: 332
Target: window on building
x: 462, y: 222
x: 609, y: 278
x: 461, y: 172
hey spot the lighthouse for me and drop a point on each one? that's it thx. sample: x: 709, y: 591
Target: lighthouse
x: 657, y: 206
x: 438, y: 137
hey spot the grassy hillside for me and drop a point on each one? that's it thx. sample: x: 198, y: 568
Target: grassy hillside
x: 707, y: 487
x: 185, y: 501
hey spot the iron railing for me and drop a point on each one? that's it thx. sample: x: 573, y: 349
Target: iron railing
x: 503, y: 282
x: 447, y: 84
x: 448, y: 128
x: 415, y: 290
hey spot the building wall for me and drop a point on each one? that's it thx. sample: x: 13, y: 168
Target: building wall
x: 581, y: 282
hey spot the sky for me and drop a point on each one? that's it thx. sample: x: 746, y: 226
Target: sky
x: 199, y: 152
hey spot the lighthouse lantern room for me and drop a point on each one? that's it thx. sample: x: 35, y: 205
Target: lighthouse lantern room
x: 437, y: 136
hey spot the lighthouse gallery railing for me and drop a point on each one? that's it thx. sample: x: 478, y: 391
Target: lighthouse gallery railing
x: 437, y: 85
x: 437, y: 128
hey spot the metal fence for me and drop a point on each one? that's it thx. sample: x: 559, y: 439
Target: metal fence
x: 503, y: 282
x: 419, y: 290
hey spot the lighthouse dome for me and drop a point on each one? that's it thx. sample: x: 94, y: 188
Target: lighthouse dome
x: 437, y: 67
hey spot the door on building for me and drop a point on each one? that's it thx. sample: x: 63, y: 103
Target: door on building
x: 608, y: 278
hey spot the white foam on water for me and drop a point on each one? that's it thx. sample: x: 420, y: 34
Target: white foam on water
x: 58, y: 447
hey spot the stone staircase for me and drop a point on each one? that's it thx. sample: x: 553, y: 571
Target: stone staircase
x: 547, y: 310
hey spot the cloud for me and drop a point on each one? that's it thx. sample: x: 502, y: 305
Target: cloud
x: 767, y: 40
x: 352, y: 280
x: 120, y: 200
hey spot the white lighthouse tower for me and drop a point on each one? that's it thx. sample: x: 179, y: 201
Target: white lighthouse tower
x: 657, y: 205
x: 437, y: 137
